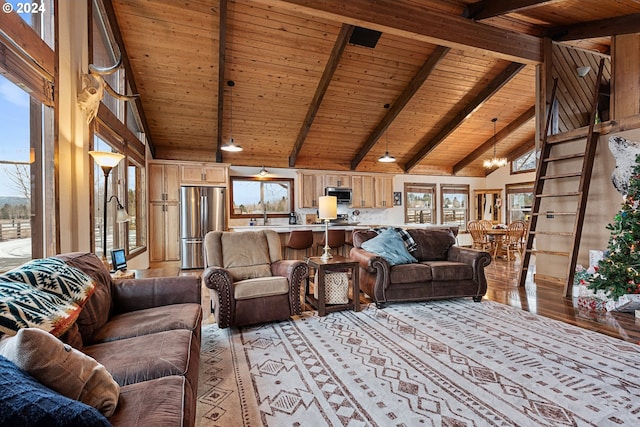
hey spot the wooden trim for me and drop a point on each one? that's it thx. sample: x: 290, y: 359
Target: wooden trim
x: 131, y: 144
x: 416, y: 83
x: 487, y: 92
x: 424, y: 24
x: 321, y: 89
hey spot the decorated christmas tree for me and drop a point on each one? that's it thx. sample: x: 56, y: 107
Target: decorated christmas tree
x: 618, y: 272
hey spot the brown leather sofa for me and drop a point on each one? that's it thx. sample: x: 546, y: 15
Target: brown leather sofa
x: 146, y: 332
x: 442, y: 270
x: 248, y: 279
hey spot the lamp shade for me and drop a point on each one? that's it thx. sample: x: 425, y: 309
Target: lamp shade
x: 328, y: 207
x: 106, y: 159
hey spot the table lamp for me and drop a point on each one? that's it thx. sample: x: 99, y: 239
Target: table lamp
x: 327, y: 210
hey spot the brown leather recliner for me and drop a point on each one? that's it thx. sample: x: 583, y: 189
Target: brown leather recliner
x: 248, y: 279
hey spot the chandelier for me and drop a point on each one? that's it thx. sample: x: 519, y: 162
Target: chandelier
x: 495, y: 162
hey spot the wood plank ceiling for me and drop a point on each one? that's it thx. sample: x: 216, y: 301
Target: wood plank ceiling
x: 305, y: 97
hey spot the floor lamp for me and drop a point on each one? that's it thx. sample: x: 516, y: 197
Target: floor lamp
x: 107, y: 161
x: 327, y: 210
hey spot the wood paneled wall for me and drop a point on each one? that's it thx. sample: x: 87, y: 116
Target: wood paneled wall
x: 575, y: 93
x: 626, y: 90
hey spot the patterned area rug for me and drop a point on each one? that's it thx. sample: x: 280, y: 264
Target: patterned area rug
x: 446, y: 363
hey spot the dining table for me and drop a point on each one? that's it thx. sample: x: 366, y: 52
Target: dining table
x: 498, y: 234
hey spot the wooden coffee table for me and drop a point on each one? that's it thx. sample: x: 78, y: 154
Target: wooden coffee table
x: 337, y: 263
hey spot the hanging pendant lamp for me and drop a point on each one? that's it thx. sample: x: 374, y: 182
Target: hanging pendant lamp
x: 231, y: 146
x: 495, y: 162
x: 387, y: 158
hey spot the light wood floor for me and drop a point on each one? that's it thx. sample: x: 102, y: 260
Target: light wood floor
x: 542, y: 298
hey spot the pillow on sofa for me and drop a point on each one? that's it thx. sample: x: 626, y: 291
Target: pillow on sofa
x: 43, y: 293
x: 389, y: 246
x: 27, y: 402
x: 62, y: 368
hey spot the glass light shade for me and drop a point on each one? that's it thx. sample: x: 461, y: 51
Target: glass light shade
x: 263, y: 172
x: 496, y: 162
x: 122, y: 215
x: 106, y: 159
x: 387, y: 158
x: 231, y: 146
x: 328, y: 207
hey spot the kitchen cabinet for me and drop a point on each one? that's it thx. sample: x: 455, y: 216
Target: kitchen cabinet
x: 164, y: 231
x: 311, y: 187
x: 362, y: 191
x: 204, y: 174
x: 164, y: 182
x: 336, y: 180
x: 383, y: 192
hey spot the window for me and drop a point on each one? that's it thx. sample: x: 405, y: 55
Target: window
x: 252, y: 197
x: 27, y: 211
x: 420, y: 203
x: 525, y: 163
x: 519, y: 201
x: 455, y: 205
x: 117, y: 129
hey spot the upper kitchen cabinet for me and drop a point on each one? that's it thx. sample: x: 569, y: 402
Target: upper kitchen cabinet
x: 311, y: 188
x: 164, y: 182
x: 337, y: 180
x: 362, y: 187
x: 204, y: 174
x: 383, y: 191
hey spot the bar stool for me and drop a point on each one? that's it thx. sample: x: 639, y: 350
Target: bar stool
x: 299, y: 240
x: 336, y: 240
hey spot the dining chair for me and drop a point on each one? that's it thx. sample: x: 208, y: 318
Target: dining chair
x: 479, y: 236
x: 512, y: 240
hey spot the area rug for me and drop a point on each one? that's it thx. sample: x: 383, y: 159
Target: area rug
x: 445, y: 363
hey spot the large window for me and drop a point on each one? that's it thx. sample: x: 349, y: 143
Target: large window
x: 420, y: 203
x: 27, y: 211
x: 519, y: 201
x: 256, y: 197
x: 117, y: 129
x: 455, y: 205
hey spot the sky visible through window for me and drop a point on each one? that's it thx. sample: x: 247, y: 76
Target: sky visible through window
x: 14, y: 137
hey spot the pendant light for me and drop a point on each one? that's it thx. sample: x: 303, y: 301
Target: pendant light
x: 387, y: 158
x: 495, y: 162
x: 231, y: 146
x: 263, y: 172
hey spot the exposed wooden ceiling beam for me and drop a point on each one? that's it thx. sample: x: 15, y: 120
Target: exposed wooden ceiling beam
x: 115, y: 27
x: 628, y: 24
x: 488, y: 144
x: 325, y: 80
x: 402, y: 100
x: 490, y: 8
x: 423, y: 24
x: 222, y: 45
x: 489, y: 90
x: 521, y: 149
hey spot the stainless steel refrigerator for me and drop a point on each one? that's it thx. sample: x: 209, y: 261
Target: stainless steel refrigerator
x: 202, y: 209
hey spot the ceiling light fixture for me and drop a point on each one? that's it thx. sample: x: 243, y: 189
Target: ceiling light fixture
x: 387, y: 158
x: 495, y: 162
x: 231, y: 146
x: 583, y: 71
x: 263, y: 172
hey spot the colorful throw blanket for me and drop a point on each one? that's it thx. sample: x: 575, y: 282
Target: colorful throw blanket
x: 409, y: 243
x: 45, y: 293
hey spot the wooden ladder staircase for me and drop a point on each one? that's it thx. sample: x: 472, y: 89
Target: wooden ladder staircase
x: 580, y: 195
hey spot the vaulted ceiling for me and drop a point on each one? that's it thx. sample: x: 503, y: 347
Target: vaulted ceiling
x: 308, y: 96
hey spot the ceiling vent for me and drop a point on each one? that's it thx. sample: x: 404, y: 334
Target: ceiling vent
x: 364, y: 37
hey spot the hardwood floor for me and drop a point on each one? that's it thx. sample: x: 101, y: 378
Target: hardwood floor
x: 545, y: 299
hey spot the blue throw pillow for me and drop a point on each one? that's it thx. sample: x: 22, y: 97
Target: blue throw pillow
x: 390, y: 246
x: 26, y: 402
